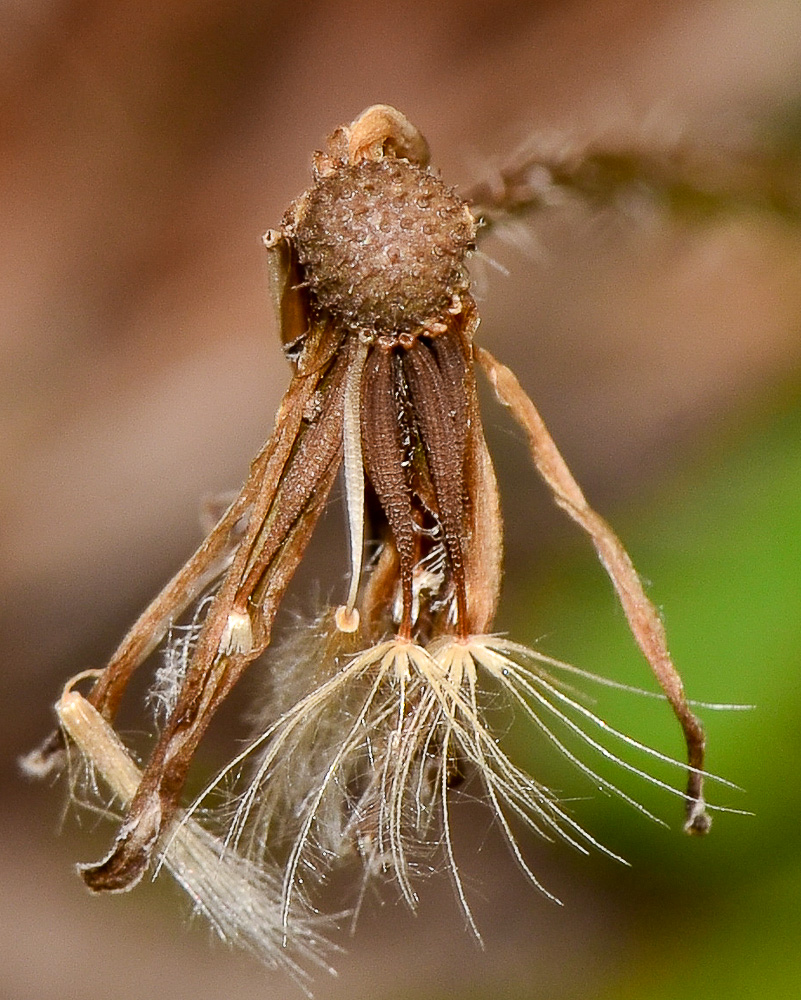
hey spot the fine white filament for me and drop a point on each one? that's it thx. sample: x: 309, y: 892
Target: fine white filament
x: 241, y: 900
x: 347, y: 618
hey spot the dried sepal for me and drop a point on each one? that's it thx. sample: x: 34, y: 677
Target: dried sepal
x: 643, y: 618
x: 286, y: 500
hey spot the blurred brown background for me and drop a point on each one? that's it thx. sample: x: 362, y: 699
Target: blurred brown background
x: 143, y: 150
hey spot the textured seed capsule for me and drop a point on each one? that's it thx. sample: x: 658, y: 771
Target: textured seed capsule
x: 383, y: 244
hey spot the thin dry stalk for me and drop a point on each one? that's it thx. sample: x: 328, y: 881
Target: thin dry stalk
x: 643, y: 618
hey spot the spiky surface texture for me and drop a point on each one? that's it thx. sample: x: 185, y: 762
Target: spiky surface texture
x: 383, y: 244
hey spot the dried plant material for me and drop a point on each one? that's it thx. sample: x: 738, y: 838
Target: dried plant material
x: 645, y: 624
x: 696, y: 178
x: 241, y: 902
x: 382, y: 707
x: 364, y: 763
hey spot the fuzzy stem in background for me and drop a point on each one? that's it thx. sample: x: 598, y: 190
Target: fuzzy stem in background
x: 694, y: 179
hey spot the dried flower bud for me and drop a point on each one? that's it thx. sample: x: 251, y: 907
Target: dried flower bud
x: 383, y: 244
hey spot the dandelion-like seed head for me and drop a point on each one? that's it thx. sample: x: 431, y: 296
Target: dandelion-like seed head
x: 377, y: 711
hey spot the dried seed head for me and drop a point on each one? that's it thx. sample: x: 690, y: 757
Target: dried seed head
x: 383, y: 244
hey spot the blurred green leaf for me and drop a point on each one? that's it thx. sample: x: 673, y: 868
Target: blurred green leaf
x: 722, y: 544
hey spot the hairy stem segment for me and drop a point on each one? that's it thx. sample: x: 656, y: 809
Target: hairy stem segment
x: 643, y: 619
x: 693, y: 178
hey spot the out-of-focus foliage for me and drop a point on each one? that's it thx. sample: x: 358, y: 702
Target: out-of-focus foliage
x: 718, y: 917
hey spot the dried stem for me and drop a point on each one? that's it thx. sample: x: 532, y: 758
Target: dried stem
x: 684, y: 177
x: 242, y: 904
x: 644, y: 621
